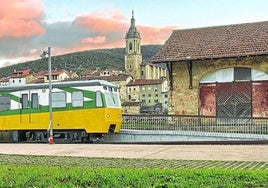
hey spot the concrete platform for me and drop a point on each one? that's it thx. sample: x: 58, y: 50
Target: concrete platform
x: 180, y: 152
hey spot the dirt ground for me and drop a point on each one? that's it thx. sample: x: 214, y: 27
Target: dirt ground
x: 182, y: 152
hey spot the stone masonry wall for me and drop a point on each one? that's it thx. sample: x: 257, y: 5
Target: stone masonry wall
x: 185, y: 101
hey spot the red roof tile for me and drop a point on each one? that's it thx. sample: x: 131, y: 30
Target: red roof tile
x: 215, y: 42
x: 144, y: 82
x: 20, y: 73
x: 107, y: 78
x: 131, y: 103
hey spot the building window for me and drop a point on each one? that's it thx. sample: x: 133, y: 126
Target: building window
x: 149, y: 95
x: 156, y: 101
x: 156, y: 95
x: 242, y: 74
x: 149, y: 88
x: 143, y: 88
x: 149, y: 101
x: 166, y: 95
x: 130, y: 46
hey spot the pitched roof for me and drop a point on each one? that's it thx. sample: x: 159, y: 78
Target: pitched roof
x: 131, y: 103
x: 137, y: 82
x: 215, y: 42
x: 112, y: 78
x: 55, y: 72
x: 21, y: 73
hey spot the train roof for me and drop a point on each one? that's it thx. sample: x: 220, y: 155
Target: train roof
x: 59, y: 85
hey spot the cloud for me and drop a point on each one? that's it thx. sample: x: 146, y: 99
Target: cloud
x: 102, y: 23
x: 155, y: 35
x: 114, y: 28
x: 31, y: 34
x: 94, y: 40
x: 21, y: 18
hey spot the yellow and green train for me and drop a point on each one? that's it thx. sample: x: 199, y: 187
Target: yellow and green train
x: 82, y: 111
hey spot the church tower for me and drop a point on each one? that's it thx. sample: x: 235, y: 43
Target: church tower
x: 133, y: 56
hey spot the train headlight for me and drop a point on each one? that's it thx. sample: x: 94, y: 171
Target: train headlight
x: 107, y: 115
x: 119, y: 115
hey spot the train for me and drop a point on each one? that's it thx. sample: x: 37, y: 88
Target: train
x: 78, y: 111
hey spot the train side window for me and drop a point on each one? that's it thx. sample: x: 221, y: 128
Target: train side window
x: 98, y: 99
x: 77, y: 99
x: 58, y: 99
x: 24, y: 101
x: 4, y: 103
x: 34, y: 97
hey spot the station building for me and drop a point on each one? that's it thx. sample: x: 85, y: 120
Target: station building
x: 218, y: 71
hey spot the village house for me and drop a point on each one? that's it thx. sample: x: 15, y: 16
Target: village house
x: 4, y: 81
x: 151, y: 94
x: 21, y: 77
x: 219, y: 71
x: 57, y: 76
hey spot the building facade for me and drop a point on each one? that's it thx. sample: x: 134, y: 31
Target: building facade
x: 147, y: 92
x: 218, y: 71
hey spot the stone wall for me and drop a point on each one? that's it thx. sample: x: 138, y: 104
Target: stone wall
x: 185, y: 101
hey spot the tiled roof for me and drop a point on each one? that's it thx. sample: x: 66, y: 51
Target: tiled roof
x: 144, y: 82
x: 90, y: 72
x: 55, y: 72
x: 131, y: 103
x: 215, y: 42
x: 107, y: 78
x: 20, y: 73
x: 5, y: 79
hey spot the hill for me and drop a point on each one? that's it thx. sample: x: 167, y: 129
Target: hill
x: 79, y: 61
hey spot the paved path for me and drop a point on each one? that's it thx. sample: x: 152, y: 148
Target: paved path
x: 183, y: 152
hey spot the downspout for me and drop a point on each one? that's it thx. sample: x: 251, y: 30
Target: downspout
x: 190, y: 71
x: 170, y: 71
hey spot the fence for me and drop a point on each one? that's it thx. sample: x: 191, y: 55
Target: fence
x: 196, y: 124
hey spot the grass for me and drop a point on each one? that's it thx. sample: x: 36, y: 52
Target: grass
x: 45, y: 171
x: 52, y: 176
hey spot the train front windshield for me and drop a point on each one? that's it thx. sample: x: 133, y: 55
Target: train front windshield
x: 112, y: 98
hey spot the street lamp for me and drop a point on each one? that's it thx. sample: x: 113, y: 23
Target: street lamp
x: 44, y: 55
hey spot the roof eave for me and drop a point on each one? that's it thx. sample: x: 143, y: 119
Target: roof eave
x: 208, y: 58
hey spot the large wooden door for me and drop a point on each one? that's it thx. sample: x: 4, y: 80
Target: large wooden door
x: 234, y: 99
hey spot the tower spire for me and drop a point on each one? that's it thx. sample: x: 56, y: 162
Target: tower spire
x: 133, y: 21
x: 132, y: 31
x: 133, y: 56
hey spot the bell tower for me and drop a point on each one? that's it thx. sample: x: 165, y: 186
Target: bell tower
x: 133, y: 56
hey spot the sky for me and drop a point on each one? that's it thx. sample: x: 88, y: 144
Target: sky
x: 28, y: 27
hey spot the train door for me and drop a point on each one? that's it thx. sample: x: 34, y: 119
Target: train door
x: 29, y: 111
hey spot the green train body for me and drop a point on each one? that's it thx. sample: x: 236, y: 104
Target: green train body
x: 81, y: 111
